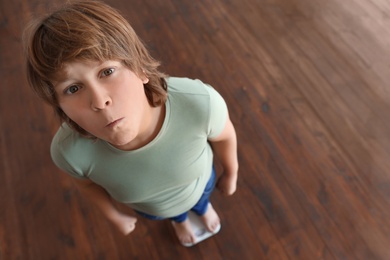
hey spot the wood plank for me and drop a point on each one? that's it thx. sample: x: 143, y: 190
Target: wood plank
x: 306, y: 82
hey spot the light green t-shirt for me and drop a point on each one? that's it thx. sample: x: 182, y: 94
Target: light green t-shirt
x: 167, y: 176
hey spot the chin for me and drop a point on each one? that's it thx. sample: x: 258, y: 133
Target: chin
x: 121, y: 142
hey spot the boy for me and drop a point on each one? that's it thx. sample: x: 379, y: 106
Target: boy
x: 129, y: 132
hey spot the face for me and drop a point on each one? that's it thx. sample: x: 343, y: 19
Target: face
x: 106, y: 99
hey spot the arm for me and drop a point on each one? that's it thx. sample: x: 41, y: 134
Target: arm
x: 100, y: 198
x: 225, y: 149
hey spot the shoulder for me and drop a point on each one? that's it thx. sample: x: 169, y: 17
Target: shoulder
x: 69, y: 150
x: 187, y: 86
x: 192, y: 90
x: 68, y: 140
x: 197, y: 103
x: 190, y: 96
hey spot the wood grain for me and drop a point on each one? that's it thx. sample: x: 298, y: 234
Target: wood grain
x: 306, y: 82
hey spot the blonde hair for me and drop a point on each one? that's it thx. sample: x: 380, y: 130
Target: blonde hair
x: 86, y: 30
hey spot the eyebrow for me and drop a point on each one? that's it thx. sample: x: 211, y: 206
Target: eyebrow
x: 62, y: 76
x: 58, y: 81
x: 59, y: 77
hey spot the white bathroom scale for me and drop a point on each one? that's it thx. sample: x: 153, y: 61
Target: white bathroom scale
x: 200, y: 230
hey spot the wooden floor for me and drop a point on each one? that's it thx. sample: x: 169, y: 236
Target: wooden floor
x: 307, y: 84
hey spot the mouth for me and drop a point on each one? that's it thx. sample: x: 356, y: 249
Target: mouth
x: 114, y: 123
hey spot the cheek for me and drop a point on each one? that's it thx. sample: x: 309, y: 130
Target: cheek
x: 68, y: 109
x: 74, y: 113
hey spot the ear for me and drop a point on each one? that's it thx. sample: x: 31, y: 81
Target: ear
x: 144, y: 78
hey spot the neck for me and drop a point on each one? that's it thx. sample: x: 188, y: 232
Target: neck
x: 152, y: 126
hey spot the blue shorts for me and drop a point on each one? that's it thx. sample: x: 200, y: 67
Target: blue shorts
x: 200, y: 207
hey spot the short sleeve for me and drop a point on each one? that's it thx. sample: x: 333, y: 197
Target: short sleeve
x: 218, y: 113
x: 57, y: 152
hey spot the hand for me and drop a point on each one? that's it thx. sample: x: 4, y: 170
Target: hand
x: 125, y: 223
x: 227, y: 184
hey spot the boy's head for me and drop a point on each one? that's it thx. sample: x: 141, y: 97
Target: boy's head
x: 86, y: 31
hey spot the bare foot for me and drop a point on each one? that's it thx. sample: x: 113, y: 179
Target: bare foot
x: 211, y: 219
x: 184, y: 232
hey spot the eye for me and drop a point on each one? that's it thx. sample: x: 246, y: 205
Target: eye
x: 107, y: 72
x: 72, y: 89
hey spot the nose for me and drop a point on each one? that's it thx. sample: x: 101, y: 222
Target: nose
x: 100, y: 99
